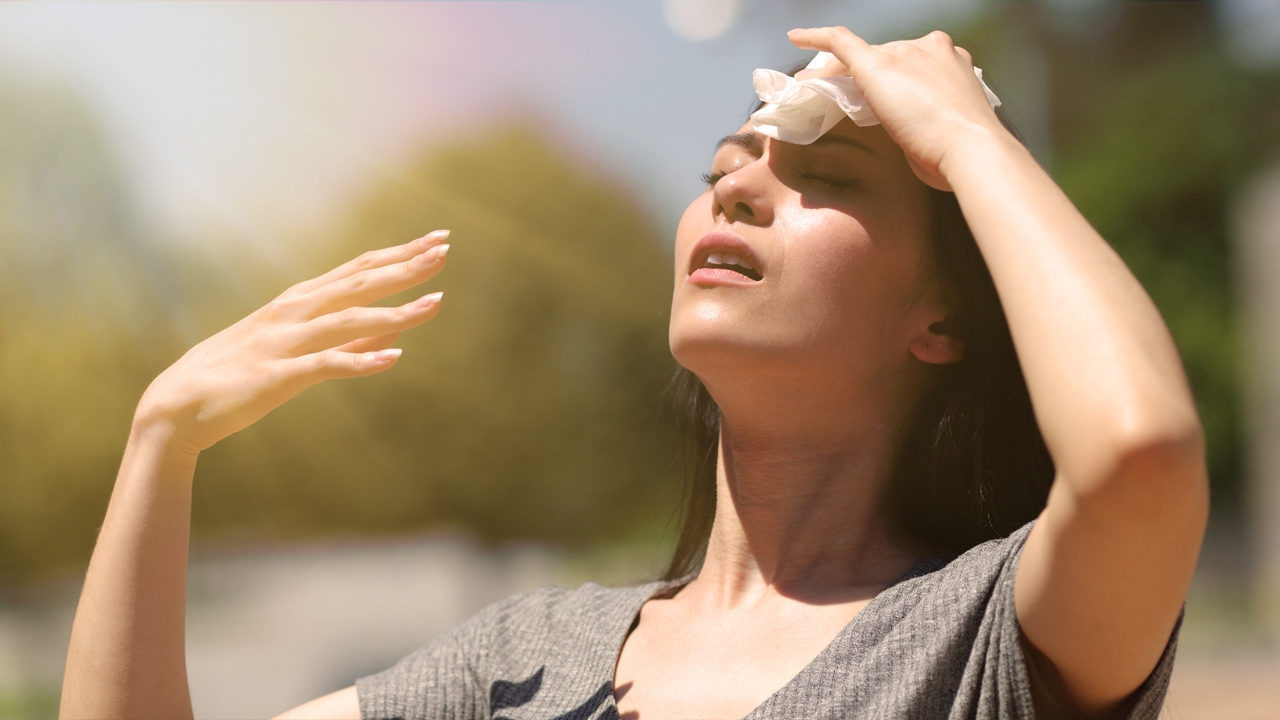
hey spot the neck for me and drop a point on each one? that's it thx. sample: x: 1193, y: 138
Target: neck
x: 798, y: 505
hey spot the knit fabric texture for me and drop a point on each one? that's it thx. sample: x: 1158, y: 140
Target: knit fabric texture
x: 941, y: 642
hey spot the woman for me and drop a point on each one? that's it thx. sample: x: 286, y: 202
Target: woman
x: 812, y: 301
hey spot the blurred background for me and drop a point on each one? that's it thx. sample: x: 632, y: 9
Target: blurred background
x: 167, y: 168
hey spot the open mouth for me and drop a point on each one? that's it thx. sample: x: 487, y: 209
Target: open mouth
x: 732, y: 263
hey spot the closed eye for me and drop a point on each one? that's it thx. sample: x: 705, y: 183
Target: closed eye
x: 711, y: 178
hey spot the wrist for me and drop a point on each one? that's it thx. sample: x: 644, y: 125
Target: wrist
x: 977, y: 149
x: 156, y: 432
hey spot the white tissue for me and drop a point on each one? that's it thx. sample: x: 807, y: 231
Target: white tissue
x: 800, y: 111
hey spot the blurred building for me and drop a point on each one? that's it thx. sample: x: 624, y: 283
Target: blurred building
x: 1258, y: 228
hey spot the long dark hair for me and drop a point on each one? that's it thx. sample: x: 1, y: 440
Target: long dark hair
x: 972, y: 465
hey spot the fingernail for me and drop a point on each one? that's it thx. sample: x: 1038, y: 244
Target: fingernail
x: 433, y: 255
x: 429, y: 300
x: 385, y: 356
x: 431, y: 238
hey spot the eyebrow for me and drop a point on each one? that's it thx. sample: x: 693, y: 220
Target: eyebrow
x: 844, y: 140
x: 751, y: 141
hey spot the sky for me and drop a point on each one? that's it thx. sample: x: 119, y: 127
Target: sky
x: 261, y: 121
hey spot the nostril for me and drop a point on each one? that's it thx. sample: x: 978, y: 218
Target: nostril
x: 745, y: 209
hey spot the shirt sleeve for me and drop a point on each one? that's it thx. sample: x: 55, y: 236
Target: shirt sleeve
x: 1148, y: 699
x: 1022, y: 683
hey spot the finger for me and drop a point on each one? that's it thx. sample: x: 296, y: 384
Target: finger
x: 964, y: 55
x: 940, y: 38
x: 373, y: 259
x: 370, y: 344
x: 333, y: 364
x: 838, y: 41
x: 355, y: 323
x: 368, y: 286
x: 835, y: 68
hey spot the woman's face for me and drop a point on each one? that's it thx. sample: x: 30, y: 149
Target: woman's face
x: 833, y: 234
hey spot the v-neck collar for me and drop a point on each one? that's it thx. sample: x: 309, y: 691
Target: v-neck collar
x: 928, y: 564
x: 651, y: 591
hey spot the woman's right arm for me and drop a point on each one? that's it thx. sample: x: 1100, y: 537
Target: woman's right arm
x: 127, y: 657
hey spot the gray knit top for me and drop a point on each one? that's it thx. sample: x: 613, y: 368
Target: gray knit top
x: 941, y: 642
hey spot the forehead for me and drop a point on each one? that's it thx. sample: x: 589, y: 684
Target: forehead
x: 845, y: 136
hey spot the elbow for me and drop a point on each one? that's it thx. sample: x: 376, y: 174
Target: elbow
x: 1173, y: 451
x: 1156, y: 467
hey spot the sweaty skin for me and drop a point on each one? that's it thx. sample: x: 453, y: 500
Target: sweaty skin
x: 815, y: 365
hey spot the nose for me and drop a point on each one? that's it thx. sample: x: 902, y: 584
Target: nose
x: 744, y: 195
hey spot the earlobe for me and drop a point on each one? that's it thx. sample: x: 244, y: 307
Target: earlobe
x: 937, y: 349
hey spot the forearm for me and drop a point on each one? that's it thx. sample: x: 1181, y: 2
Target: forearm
x: 1103, y: 372
x: 127, y: 654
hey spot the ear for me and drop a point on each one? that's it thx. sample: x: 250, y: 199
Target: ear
x: 936, y: 346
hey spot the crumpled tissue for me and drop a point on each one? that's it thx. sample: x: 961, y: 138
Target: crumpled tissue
x: 800, y: 111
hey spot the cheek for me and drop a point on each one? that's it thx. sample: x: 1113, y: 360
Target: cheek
x: 691, y: 227
x: 828, y: 262
x: 843, y: 282
x: 694, y: 223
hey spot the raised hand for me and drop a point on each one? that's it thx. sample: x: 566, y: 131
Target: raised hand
x: 316, y: 330
x: 923, y: 92
x: 127, y: 656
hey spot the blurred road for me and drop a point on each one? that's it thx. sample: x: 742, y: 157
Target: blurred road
x: 269, y: 629
x: 1225, y: 686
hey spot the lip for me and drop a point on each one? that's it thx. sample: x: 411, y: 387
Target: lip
x: 726, y: 242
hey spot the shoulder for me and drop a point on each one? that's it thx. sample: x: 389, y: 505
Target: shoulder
x: 950, y: 596
x: 989, y: 559
x: 547, y: 639
x: 531, y: 618
x: 980, y: 565
x: 521, y: 622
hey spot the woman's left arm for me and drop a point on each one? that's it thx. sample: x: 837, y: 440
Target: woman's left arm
x: 1105, y: 571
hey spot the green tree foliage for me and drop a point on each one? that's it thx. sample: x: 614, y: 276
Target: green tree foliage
x: 1154, y: 131
x: 76, y: 296
x: 1156, y: 173
x: 530, y: 407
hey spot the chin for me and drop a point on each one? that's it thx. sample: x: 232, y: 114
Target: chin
x: 712, y: 347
